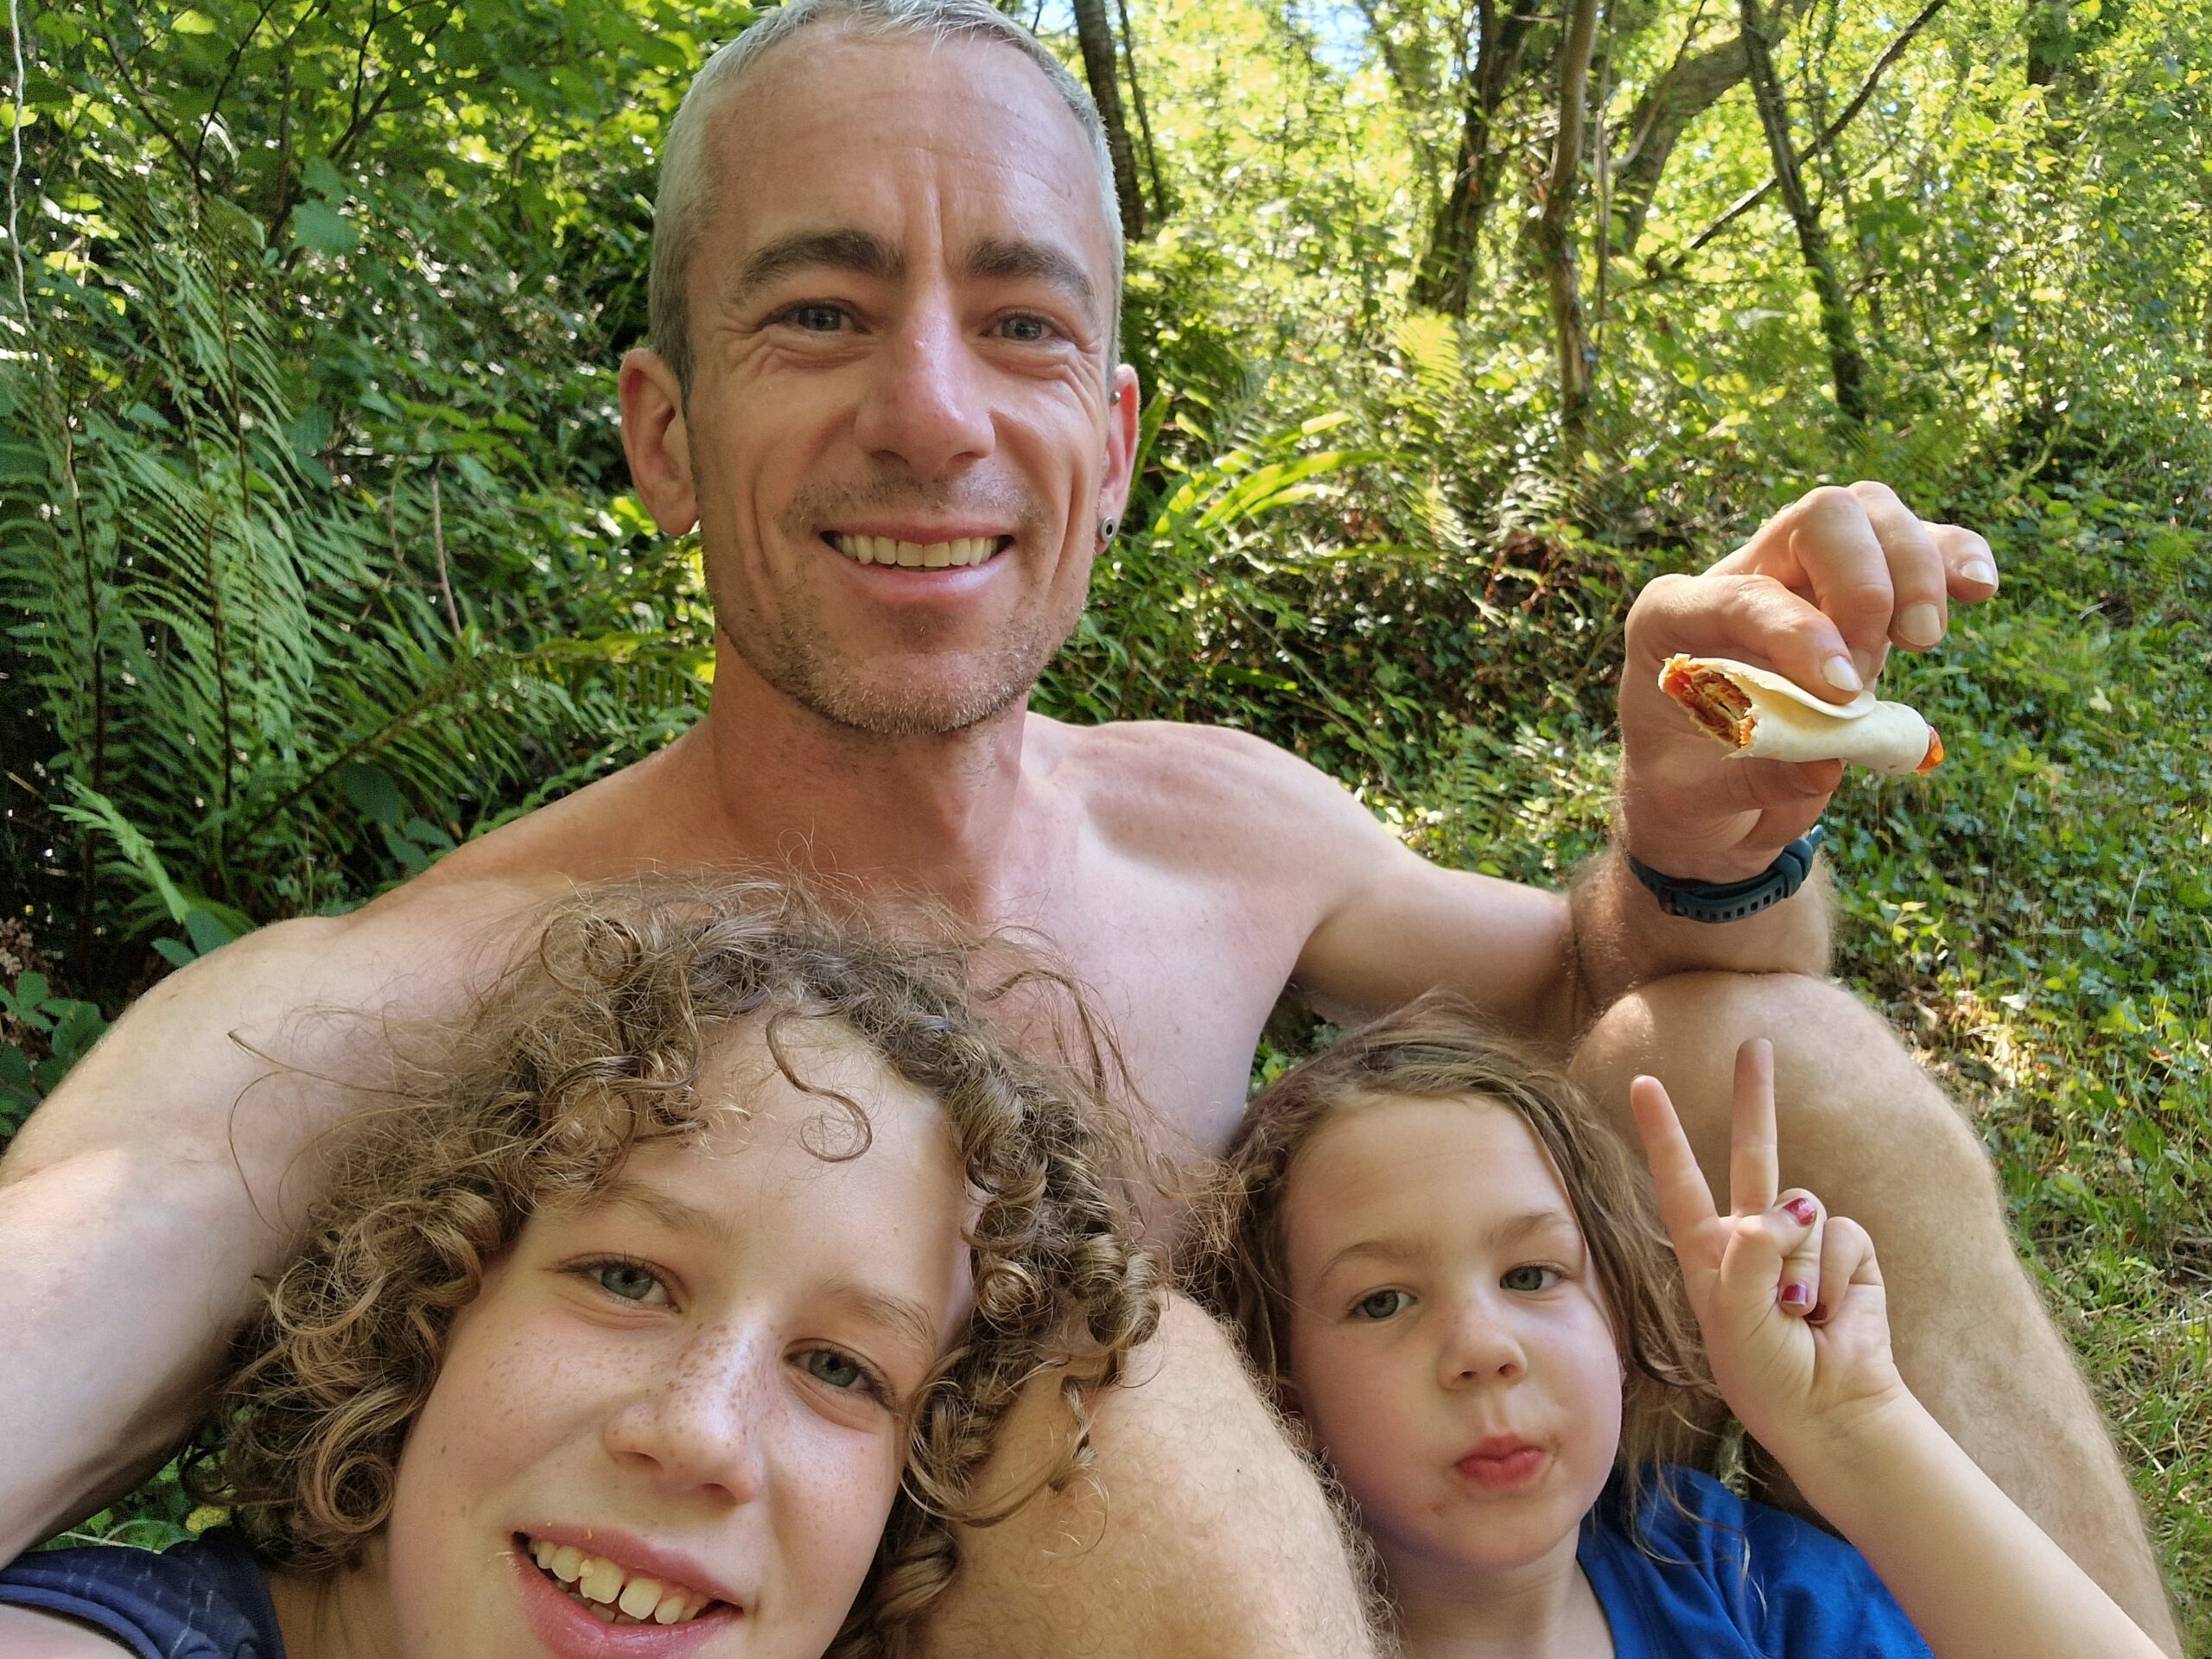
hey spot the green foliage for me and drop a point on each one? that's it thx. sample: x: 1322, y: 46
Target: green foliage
x: 304, y: 472
x: 63, y: 1027
x: 315, y: 560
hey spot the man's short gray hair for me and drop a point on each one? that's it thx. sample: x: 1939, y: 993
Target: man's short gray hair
x: 689, y: 185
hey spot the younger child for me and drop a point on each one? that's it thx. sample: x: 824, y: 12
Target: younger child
x: 1450, y: 1275
x: 671, y: 1311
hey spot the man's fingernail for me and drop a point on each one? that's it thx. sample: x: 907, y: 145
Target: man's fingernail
x: 1839, y: 672
x: 1795, y: 1295
x: 1921, y: 625
x: 1979, y: 570
x: 1806, y: 1211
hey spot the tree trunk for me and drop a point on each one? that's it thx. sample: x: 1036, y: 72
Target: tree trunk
x: 1161, y: 205
x: 1692, y: 85
x: 1445, y: 276
x: 1845, y: 363
x: 1095, y: 36
x: 1554, y: 233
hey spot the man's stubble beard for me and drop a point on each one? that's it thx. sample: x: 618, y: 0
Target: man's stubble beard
x: 797, y: 659
x: 798, y: 656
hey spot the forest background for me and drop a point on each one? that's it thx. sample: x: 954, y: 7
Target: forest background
x: 1456, y: 323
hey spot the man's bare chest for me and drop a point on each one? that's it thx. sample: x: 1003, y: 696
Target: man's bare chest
x: 1184, y: 972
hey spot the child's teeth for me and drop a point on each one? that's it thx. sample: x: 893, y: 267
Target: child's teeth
x: 609, y: 1593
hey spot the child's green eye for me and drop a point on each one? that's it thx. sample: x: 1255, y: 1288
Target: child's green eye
x: 1382, y: 1304
x: 1529, y: 1276
x: 842, y: 1372
x: 623, y: 1278
x: 626, y: 1280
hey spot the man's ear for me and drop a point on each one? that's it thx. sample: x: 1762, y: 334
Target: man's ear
x: 656, y: 440
x: 1123, y: 416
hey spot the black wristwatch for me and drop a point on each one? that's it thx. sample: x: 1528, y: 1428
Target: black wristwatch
x: 1731, y: 901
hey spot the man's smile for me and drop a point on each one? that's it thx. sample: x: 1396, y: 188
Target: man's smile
x: 951, y: 552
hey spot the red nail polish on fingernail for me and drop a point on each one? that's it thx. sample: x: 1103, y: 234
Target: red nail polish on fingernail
x: 1795, y: 1295
x: 1804, y: 1209
x: 1819, y: 1315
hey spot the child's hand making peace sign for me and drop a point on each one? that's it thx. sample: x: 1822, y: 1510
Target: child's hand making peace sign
x: 1789, y: 1299
x: 1797, y: 1333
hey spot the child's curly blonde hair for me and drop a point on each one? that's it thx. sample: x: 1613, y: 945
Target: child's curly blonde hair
x: 590, y: 1048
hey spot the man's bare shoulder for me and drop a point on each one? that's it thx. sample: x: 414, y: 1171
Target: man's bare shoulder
x: 1163, y: 781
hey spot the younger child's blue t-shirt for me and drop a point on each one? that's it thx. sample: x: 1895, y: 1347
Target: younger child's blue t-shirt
x: 1752, y: 1582
x: 205, y: 1599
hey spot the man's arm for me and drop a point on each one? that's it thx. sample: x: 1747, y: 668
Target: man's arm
x: 1821, y: 593
x: 176, y: 1164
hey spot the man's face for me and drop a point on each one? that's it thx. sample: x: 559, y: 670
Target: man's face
x: 900, y: 314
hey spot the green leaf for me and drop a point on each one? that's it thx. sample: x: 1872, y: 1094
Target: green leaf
x: 321, y: 178
x: 374, y: 792
x: 207, y: 930
x: 321, y: 228
x: 95, y: 812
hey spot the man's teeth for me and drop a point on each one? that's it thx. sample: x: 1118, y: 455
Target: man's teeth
x: 932, y: 556
x: 613, y: 1596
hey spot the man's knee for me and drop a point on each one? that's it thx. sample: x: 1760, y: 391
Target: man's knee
x: 1848, y: 1095
x: 1196, y: 1528
x: 1187, y: 1380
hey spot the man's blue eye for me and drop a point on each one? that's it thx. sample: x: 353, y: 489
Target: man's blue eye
x: 837, y: 1369
x: 1028, y: 330
x: 1382, y: 1304
x: 818, y: 319
x: 1528, y: 1276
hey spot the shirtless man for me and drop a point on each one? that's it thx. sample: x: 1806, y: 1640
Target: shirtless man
x: 884, y: 302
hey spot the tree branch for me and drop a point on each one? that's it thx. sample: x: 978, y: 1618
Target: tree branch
x: 1828, y: 135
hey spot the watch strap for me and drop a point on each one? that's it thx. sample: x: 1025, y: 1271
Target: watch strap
x: 1732, y: 901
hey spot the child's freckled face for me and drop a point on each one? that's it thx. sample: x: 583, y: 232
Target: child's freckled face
x: 710, y: 1363
x: 1452, y: 1352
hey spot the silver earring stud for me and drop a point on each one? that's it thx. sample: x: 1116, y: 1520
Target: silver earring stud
x: 1106, y: 527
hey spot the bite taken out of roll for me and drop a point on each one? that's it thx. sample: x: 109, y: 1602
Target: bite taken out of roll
x: 1762, y: 716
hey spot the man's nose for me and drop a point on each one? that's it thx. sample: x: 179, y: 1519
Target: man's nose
x: 925, y: 406
x: 704, y: 1422
x: 1482, y: 1344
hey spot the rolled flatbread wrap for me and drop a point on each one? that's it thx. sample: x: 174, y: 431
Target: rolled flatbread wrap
x: 1762, y: 716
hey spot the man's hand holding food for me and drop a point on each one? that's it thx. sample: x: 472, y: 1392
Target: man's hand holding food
x: 1819, y: 596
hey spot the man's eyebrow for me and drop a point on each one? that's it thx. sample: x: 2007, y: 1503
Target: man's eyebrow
x: 1017, y: 256
x: 863, y: 252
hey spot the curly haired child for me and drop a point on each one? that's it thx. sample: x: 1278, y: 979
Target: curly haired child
x: 672, y: 1309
